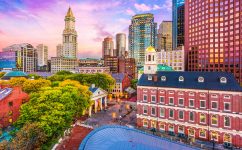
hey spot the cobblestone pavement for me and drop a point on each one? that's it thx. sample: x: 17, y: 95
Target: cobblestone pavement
x: 117, y: 114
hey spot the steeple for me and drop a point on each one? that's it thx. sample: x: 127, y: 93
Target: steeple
x: 69, y: 13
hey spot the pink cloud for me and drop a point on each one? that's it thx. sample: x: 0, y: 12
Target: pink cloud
x: 130, y: 12
x: 142, y: 7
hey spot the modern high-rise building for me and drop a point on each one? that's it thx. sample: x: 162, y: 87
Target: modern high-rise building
x: 107, y: 47
x: 42, y: 53
x: 165, y: 36
x: 22, y: 57
x: 142, y: 34
x: 213, y: 36
x: 178, y: 12
x: 69, y: 36
x: 59, y: 49
x: 120, y: 44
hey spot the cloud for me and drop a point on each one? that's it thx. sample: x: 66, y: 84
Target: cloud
x: 167, y: 5
x: 130, y: 12
x: 156, y: 7
x: 142, y: 7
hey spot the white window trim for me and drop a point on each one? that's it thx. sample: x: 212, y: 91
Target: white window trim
x: 163, y: 100
x: 191, y: 94
x: 193, y: 103
x: 180, y: 93
x: 171, y: 92
x: 200, y: 118
x: 144, y: 110
x: 155, y: 99
x: 179, y: 115
x: 214, y: 96
x: 151, y: 111
x: 212, y: 121
x: 173, y: 101
x: 179, y: 101
x: 200, y: 103
x: 229, y: 122
x: 212, y: 105
x: 203, y: 136
x: 146, y: 98
x: 169, y: 113
x: 144, y: 123
x: 227, y: 96
x: 193, y: 117
x: 229, y: 106
x: 164, y: 112
x: 202, y: 94
x: 182, y: 132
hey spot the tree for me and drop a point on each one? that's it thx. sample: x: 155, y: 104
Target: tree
x: 64, y: 73
x: 30, y: 137
x: 2, y: 74
x: 17, y: 81
x: 134, y: 83
x: 35, y: 85
x: 35, y: 76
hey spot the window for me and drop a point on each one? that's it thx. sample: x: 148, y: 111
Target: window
x: 162, y: 112
x: 181, y: 102
x: 149, y: 77
x: 10, y: 104
x: 191, y: 116
x: 200, y: 79
x: 226, y: 121
x: 181, y: 79
x: 226, y: 97
x: 162, y: 126
x: 162, y: 100
x: 202, y: 133
x: 153, y: 99
x: 145, y: 110
x: 181, y: 115
x: 223, y: 80
x: 226, y: 106
x: 202, y: 118
x: 214, y: 120
x: 202, y: 104
x: 171, y: 100
x: 171, y: 113
x: 145, y: 123
x: 191, y: 94
x: 171, y: 128
x: 191, y: 132
x: 145, y: 98
x: 191, y: 102
x: 153, y: 111
x: 180, y: 129
x: 163, y: 78
x: 214, y: 105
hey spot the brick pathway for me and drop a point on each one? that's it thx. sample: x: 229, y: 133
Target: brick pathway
x: 73, y: 142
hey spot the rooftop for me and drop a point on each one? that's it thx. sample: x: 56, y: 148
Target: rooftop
x: 14, y: 74
x: 160, y: 67
x: 121, y: 138
x: 5, y: 92
x: 118, y: 77
x: 220, y: 81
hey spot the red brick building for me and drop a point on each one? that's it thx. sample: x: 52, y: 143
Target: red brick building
x: 122, y: 82
x: 10, y: 101
x: 200, y: 105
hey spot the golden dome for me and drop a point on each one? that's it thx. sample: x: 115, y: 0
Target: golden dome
x: 150, y: 49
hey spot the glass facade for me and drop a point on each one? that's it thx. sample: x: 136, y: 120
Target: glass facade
x: 142, y: 34
x: 177, y: 23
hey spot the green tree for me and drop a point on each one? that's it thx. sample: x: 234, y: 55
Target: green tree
x: 17, y: 81
x: 35, y: 85
x: 64, y: 73
x: 134, y: 83
x: 35, y: 76
x: 30, y: 137
x: 2, y: 74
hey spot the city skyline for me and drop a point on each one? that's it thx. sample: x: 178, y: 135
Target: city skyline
x: 42, y: 22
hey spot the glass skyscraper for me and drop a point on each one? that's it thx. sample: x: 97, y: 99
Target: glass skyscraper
x: 178, y: 12
x: 142, y: 34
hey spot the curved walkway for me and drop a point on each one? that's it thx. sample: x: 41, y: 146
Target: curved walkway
x: 124, y: 138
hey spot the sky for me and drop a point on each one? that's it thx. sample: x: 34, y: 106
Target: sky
x: 42, y: 21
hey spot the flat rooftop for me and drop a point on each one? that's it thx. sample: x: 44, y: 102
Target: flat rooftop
x: 124, y: 138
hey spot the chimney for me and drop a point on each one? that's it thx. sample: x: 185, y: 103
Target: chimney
x: 93, y: 85
x: 155, y: 78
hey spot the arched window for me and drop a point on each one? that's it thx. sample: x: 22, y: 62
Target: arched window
x: 191, y: 132
x: 202, y: 133
x: 200, y: 79
x: 153, y: 58
x: 226, y: 121
x: 181, y: 78
x: 153, y: 124
x: 145, y: 123
x: 227, y: 138
x: 171, y: 128
x: 162, y: 126
x: 149, y: 58
x: 223, y: 80
x: 202, y: 118
x: 214, y: 120
x: 180, y: 129
x: 214, y: 136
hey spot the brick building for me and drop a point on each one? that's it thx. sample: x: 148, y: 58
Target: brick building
x: 10, y: 101
x: 122, y: 82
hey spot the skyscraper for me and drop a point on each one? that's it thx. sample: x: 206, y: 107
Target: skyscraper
x: 142, y: 34
x: 178, y: 28
x: 59, y: 49
x: 165, y: 36
x: 69, y: 36
x: 213, y: 36
x: 120, y: 44
x: 107, y: 47
x: 42, y: 54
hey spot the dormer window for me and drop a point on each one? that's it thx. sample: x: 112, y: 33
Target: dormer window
x: 149, y: 77
x: 223, y: 80
x: 163, y: 78
x: 181, y: 79
x: 200, y: 79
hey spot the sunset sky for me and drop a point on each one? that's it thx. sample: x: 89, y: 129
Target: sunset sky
x: 42, y: 21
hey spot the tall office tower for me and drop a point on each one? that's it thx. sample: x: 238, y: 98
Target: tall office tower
x: 120, y: 44
x: 165, y: 36
x: 178, y: 12
x: 21, y: 57
x: 59, y: 49
x: 69, y: 36
x: 142, y: 34
x: 213, y: 36
x: 42, y: 55
x: 107, y: 47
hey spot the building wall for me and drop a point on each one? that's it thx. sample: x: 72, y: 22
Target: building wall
x: 165, y: 36
x: 60, y: 64
x: 164, y: 104
x: 42, y: 53
x: 108, y: 47
x: 93, y: 70
x: 112, y: 62
x: 10, y: 106
x: 90, y: 62
x: 213, y: 36
x: 120, y: 44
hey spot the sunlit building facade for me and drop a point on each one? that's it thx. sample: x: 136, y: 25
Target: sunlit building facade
x: 213, y: 36
x: 120, y: 44
x: 164, y: 36
x: 142, y: 34
x: 178, y: 24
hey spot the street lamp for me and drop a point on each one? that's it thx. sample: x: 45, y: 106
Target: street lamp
x: 114, y: 115
x: 213, y: 141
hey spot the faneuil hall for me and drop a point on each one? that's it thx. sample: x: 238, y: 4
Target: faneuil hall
x: 199, y: 105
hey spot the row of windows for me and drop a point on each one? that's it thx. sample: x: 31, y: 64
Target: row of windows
x: 202, y: 117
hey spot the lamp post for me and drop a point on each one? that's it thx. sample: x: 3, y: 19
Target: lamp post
x: 213, y: 141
